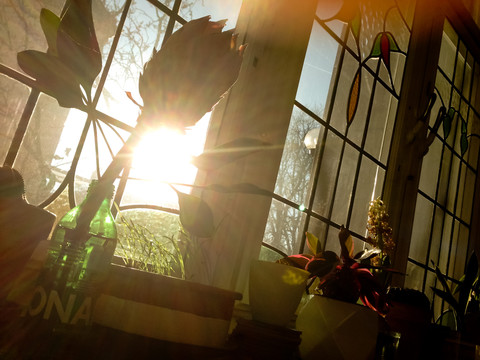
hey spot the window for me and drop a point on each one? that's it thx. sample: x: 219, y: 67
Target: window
x: 358, y: 80
x: 348, y: 92
x: 59, y: 150
x: 443, y: 216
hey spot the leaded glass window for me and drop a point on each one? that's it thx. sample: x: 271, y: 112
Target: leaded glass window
x: 443, y: 215
x: 347, y: 98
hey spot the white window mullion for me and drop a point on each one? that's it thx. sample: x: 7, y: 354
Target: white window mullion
x: 259, y: 106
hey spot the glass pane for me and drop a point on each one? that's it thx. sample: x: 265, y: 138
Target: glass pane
x: 284, y: 228
x: 442, y: 87
x: 447, y: 237
x: 218, y: 9
x: 444, y: 178
x: 317, y: 70
x: 150, y: 238
x: 13, y: 97
x: 339, y: 115
x: 414, y: 280
x: 468, y: 76
x: 328, y: 174
x: 473, y: 142
x: 143, y: 31
x: 344, y: 187
x: 381, y: 123
x: 296, y: 165
x: 446, y: 61
x: 356, y: 130
x: 460, y: 67
x: 437, y: 237
x: 430, y: 169
x: 60, y: 205
x: 475, y: 89
x: 162, y: 224
x: 20, y: 28
x: 452, y: 186
x: 459, y: 254
x: 37, y: 154
x: 319, y: 229
x: 370, y: 181
x: 465, y: 203
x: 87, y: 165
x: 421, y: 229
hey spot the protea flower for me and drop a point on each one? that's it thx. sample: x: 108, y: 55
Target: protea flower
x: 189, y: 74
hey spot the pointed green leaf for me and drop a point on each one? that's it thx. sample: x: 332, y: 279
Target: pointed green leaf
x: 463, y: 139
x: 228, y: 152
x: 367, y: 254
x: 356, y: 24
x: 299, y: 261
x: 447, y: 293
x: 392, y: 42
x: 313, y: 244
x: 195, y: 215
x: 53, y: 77
x: 376, y: 50
x: 77, y: 43
x: 447, y: 122
x: 448, y: 297
x: 469, y: 277
x: 349, y: 245
x: 243, y: 188
x: 50, y: 22
x: 322, y: 264
x: 353, y: 97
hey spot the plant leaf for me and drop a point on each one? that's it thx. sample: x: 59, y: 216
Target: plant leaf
x: 49, y: 23
x: 356, y: 25
x: 353, y: 97
x: 464, y: 139
x: 322, y: 264
x: 442, y: 279
x: 448, y: 297
x: 195, y: 215
x: 313, y: 244
x: 228, y: 152
x: 53, y: 77
x: 367, y: 254
x: 376, y: 49
x: 300, y: 261
x: 349, y: 245
x: 77, y: 43
x: 466, y: 286
x: 243, y: 188
x: 447, y: 122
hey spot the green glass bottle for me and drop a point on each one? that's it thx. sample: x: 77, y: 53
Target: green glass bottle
x: 75, y: 270
x: 86, y: 263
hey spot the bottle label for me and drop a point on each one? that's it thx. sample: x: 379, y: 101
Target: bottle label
x: 72, y: 308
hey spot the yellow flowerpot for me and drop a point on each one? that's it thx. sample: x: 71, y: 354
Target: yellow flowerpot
x: 275, y: 291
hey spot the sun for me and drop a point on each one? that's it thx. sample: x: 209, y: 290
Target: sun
x: 163, y: 157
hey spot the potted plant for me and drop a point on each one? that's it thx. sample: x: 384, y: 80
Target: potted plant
x: 332, y: 323
x: 464, y: 301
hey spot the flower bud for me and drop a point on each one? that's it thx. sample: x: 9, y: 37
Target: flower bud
x: 189, y: 74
